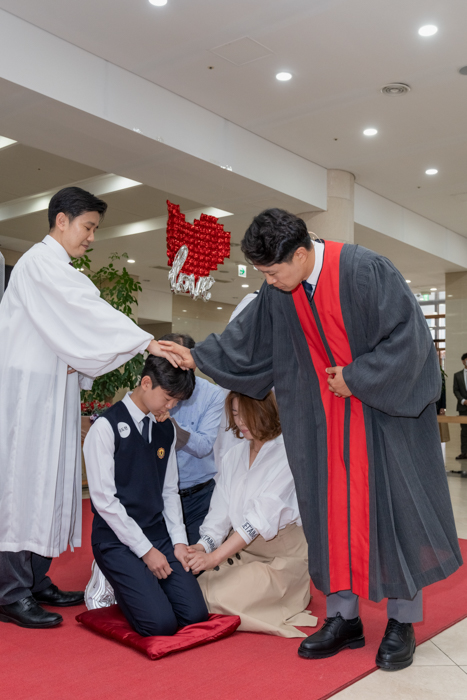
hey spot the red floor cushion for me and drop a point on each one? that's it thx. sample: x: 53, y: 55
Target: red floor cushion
x: 110, y: 622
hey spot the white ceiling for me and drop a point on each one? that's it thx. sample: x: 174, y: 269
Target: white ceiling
x: 341, y: 52
x: 26, y: 172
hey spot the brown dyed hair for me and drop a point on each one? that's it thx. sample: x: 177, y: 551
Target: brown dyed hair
x: 261, y: 417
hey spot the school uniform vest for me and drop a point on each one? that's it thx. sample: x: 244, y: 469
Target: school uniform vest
x: 140, y: 469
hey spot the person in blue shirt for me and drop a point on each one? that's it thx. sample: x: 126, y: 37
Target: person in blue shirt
x: 197, y: 423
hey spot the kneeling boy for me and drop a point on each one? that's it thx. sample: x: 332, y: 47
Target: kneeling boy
x: 138, y: 536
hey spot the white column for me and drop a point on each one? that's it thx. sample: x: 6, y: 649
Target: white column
x: 337, y: 222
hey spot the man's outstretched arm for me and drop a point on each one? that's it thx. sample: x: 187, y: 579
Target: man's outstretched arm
x: 241, y: 358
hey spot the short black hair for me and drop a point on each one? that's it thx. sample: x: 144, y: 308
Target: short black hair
x: 178, y: 383
x: 274, y: 236
x: 464, y: 357
x: 181, y: 339
x: 73, y: 201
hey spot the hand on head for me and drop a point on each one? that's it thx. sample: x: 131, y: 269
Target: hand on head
x: 176, y: 358
x: 182, y: 354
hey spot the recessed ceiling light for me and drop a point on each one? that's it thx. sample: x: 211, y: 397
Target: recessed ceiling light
x: 433, y: 289
x: 130, y: 261
x: 409, y: 281
x: 370, y: 132
x: 158, y: 3
x: 245, y: 285
x: 431, y: 171
x: 283, y: 76
x: 219, y: 308
x: 184, y: 311
x: 428, y: 30
x: 449, y: 295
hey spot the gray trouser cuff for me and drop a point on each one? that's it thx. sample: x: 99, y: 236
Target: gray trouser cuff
x: 346, y: 603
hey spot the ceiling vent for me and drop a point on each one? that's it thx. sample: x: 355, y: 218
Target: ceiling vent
x: 395, y: 89
x: 242, y: 51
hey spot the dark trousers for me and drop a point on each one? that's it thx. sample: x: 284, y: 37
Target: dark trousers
x: 21, y: 575
x: 152, y: 606
x: 195, y: 508
x: 463, y: 436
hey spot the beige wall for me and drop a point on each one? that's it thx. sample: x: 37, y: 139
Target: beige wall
x: 156, y: 329
x: 199, y: 318
x: 11, y: 256
x: 155, y: 306
x: 456, y: 338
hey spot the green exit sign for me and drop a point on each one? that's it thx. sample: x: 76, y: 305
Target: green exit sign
x: 426, y: 297
x: 242, y: 270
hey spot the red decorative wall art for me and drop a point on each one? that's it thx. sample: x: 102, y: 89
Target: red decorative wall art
x: 198, y: 248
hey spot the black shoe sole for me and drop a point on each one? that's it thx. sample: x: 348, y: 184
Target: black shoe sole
x: 354, y: 644
x: 395, y: 665
x: 4, y: 618
x: 59, y: 605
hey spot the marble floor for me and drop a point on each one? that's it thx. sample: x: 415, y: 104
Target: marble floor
x: 439, y: 671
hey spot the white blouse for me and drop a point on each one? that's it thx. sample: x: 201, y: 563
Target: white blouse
x: 259, y: 500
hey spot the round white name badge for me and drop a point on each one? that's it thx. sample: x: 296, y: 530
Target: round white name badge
x: 123, y: 429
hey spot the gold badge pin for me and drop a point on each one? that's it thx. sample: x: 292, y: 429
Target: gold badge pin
x: 161, y: 452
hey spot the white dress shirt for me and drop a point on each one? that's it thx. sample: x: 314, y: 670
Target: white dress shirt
x: 99, y: 450
x: 256, y: 500
x: 319, y: 257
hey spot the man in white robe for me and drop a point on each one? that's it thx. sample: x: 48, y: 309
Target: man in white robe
x: 56, y: 335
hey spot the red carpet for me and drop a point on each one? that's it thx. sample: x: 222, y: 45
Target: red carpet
x: 71, y: 662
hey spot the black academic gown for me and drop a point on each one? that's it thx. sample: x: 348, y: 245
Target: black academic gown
x: 369, y: 472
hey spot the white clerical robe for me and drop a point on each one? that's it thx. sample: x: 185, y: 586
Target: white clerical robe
x: 51, y: 317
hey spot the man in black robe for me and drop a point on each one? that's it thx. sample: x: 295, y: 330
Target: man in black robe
x: 340, y: 336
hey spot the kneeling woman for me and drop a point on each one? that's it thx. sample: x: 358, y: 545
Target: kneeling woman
x: 261, y: 571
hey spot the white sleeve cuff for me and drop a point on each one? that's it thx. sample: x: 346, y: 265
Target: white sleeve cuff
x: 85, y: 382
x: 178, y: 535
x: 142, y: 547
x: 208, y: 543
x: 247, y: 531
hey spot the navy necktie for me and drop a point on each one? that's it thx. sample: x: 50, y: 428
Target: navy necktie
x: 308, y: 290
x: 145, y: 432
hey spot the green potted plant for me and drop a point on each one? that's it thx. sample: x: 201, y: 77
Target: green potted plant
x: 120, y: 290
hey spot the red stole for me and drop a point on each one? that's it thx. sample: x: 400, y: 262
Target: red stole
x: 348, y: 488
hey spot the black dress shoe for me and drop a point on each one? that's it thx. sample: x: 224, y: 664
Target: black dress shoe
x: 61, y: 599
x: 336, y: 634
x: 398, y: 646
x: 27, y: 613
x: 461, y: 456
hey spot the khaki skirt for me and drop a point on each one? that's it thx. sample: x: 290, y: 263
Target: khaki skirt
x: 267, y: 584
